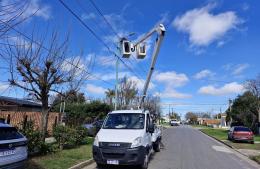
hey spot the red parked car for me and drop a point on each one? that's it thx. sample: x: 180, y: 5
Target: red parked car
x: 241, y: 133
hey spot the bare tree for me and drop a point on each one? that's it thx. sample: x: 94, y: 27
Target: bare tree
x: 127, y: 93
x: 13, y: 13
x: 42, y: 70
x: 152, y: 103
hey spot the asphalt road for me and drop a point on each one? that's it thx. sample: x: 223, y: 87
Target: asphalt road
x: 188, y: 148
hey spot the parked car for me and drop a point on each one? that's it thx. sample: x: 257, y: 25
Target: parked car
x: 94, y: 127
x: 241, y: 133
x: 174, y: 123
x: 13, y: 147
x: 124, y: 139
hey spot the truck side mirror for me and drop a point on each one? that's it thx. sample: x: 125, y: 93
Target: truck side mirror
x: 151, y: 128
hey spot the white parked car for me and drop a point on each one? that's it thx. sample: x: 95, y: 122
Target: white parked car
x: 124, y: 139
x: 13, y: 147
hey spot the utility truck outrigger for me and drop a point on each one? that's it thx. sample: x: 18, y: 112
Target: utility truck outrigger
x: 127, y: 136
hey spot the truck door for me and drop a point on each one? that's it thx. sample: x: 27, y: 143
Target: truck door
x: 148, y: 136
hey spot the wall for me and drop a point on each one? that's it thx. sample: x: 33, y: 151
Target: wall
x: 17, y: 118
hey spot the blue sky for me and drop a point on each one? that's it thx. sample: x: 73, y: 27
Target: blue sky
x: 210, y: 47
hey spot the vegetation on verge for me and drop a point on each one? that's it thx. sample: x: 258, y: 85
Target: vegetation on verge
x: 62, y: 159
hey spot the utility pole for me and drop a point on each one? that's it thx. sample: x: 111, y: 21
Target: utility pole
x: 230, y: 108
x: 116, y: 87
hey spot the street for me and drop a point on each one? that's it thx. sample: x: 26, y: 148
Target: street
x: 188, y: 148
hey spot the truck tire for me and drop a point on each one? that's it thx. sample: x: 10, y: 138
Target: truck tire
x: 145, y: 162
x: 157, y: 146
x: 100, y: 166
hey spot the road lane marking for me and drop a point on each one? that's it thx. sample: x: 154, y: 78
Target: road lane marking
x: 221, y: 149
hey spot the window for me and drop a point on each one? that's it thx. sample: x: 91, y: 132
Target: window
x: 9, y: 133
x: 124, y: 121
x: 147, y: 121
x: 242, y: 129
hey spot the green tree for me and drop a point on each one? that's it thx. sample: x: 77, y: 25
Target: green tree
x: 175, y: 116
x: 71, y: 96
x: 79, y: 113
x: 192, y: 117
x: 245, y: 109
x: 110, y: 94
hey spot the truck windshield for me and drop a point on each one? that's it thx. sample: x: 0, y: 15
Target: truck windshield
x: 124, y: 121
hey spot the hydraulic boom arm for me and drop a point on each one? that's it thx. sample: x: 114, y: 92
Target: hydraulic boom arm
x: 160, y: 29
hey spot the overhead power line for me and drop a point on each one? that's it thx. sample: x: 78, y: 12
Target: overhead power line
x: 112, y: 28
x: 105, y: 19
x: 97, y: 37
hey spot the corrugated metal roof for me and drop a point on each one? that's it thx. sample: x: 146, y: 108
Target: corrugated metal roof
x: 21, y: 102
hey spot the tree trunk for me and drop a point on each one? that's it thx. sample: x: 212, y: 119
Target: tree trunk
x: 45, y: 115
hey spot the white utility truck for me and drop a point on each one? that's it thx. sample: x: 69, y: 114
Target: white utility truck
x: 124, y: 139
x: 127, y: 136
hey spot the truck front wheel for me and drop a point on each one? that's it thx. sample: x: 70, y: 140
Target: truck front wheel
x: 157, y: 146
x: 145, y: 162
x: 100, y: 166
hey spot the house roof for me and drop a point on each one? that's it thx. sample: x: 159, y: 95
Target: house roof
x: 20, y: 102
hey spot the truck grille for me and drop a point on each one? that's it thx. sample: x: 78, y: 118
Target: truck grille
x: 114, y: 145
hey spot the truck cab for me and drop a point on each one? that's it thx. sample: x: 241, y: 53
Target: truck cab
x: 124, y: 139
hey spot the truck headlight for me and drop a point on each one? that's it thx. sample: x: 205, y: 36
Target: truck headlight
x: 96, y: 141
x: 137, y: 142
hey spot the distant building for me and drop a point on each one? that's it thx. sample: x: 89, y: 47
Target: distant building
x: 18, y: 112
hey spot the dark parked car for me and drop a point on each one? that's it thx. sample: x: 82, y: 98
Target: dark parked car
x: 94, y: 127
x: 13, y: 147
x: 241, y: 133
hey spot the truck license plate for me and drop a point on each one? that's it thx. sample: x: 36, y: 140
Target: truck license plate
x: 113, y: 162
x: 7, y: 153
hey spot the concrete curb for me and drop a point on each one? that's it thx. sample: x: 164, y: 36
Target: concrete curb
x: 82, y: 164
x: 218, y: 140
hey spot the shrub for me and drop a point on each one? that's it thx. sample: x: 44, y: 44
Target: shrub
x: 61, y: 134
x: 81, y: 133
x: 35, y: 144
x: 69, y: 137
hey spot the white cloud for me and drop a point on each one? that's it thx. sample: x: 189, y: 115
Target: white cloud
x: 204, y: 27
x: 171, y: 93
x: 93, y: 89
x: 33, y: 7
x: 109, y: 61
x: 245, y: 6
x: 203, y: 74
x: 20, y: 41
x: 88, y: 16
x: 3, y: 86
x: 229, y: 88
x: 140, y: 83
x: 71, y: 64
x: 238, y: 69
x: 171, y: 78
x: 112, y: 76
